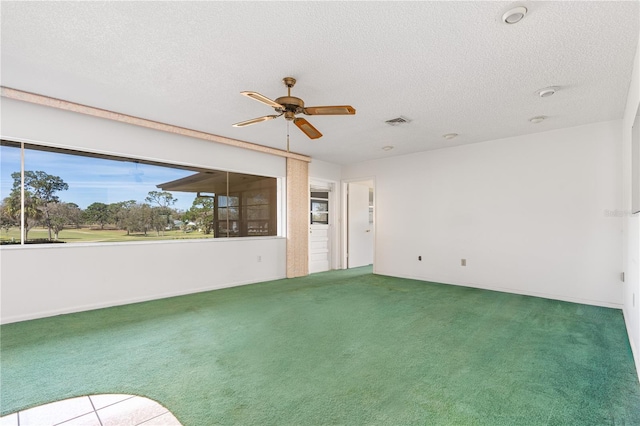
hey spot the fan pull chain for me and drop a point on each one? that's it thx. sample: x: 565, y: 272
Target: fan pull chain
x: 287, y: 135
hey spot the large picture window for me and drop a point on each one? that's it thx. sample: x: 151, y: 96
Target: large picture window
x: 72, y: 196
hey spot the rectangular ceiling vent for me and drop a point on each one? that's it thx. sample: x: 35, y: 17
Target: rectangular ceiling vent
x: 397, y: 121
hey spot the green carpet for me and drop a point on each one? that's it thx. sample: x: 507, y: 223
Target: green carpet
x: 342, y: 347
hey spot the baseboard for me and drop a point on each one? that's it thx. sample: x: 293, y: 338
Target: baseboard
x: 93, y: 306
x: 632, y: 342
x: 502, y: 289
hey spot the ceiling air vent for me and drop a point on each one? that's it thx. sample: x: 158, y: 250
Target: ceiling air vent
x: 397, y: 121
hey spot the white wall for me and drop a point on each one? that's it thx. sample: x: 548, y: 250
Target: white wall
x: 42, y: 281
x: 22, y: 121
x: 631, y: 223
x: 324, y: 171
x: 51, y: 280
x: 527, y: 213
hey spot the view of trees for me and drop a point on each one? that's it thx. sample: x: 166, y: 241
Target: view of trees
x: 43, y: 207
x: 201, y: 212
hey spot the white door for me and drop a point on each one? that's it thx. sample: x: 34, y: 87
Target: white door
x: 319, y: 248
x: 320, y: 231
x: 360, y: 230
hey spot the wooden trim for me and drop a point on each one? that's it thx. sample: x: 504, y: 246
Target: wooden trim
x: 297, y: 218
x: 33, y: 98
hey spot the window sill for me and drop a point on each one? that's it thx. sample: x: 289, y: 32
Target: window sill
x: 133, y: 243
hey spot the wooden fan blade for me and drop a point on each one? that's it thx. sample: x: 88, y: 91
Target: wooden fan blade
x: 255, y: 120
x: 330, y: 110
x: 307, y: 128
x: 261, y: 98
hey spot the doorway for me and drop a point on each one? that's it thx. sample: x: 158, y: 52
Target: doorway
x: 321, y: 227
x: 360, y: 223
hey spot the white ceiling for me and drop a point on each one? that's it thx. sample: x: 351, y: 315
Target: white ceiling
x: 446, y: 66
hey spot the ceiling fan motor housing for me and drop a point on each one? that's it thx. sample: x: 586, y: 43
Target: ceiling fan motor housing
x: 291, y: 105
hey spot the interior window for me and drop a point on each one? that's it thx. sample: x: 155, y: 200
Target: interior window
x: 319, y: 207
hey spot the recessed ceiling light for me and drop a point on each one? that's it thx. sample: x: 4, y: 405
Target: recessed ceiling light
x: 538, y: 119
x: 547, y: 91
x: 515, y: 15
x: 450, y: 135
x: 387, y: 148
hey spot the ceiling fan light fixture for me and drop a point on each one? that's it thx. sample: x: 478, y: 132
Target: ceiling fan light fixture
x: 538, y: 119
x: 515, y: 15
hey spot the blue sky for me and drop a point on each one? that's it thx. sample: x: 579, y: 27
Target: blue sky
x: 93, y: 179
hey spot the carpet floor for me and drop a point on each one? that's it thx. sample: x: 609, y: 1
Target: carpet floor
x: 342, y: 347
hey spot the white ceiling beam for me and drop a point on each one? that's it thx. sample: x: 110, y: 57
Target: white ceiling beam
x: 34, y: 98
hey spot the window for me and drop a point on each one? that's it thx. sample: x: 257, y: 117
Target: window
x: 10, y: 200
x: 73, y: 196
x: 319, y: 207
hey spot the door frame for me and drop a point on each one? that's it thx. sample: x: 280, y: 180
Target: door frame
x: 344, y: 230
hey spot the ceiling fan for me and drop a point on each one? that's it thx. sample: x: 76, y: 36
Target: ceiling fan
x: 289, y: 106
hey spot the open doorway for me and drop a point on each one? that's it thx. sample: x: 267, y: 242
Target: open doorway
x: 321, y: 226
x: 359, y: 222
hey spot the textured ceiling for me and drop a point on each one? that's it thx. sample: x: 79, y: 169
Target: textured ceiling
x: 446, y: 66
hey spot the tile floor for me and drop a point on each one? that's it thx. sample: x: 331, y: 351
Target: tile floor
x: 95, y: 410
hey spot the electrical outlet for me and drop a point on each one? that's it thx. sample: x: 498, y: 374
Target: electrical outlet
x: 463, y: 262
x: 420, y: 258
x: 259, y: 258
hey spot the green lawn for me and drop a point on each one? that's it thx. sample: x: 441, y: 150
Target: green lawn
x: 86, y: 235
